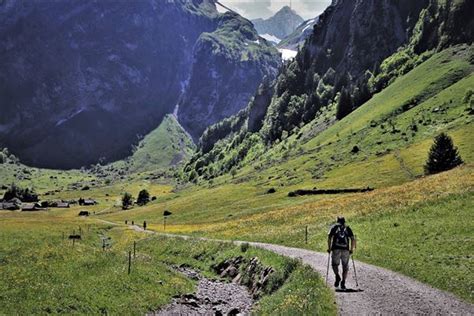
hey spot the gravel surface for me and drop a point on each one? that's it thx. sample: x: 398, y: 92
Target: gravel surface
x: 211, y: 298
x: 384, y: 292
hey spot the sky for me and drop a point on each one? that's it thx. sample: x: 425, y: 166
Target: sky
x: 252, y: 9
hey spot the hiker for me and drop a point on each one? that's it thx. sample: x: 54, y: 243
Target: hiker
x: 340, y: 250
x: 126, y: 222
x: 133, y: 223
x: 144, y: 225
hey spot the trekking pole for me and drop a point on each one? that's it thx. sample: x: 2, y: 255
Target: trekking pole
x: 327, y: 270
x: 355, y: 272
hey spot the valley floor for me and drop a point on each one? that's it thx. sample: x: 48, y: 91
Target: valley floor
x: 372, y: 290
x: 422, y: 228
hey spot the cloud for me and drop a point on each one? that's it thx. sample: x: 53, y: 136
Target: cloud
x: 251, y: 8
x: 265, y: 8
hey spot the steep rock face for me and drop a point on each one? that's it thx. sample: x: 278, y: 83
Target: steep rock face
x: 81, y: 81
x: 445, y: 23
x: 353, y: 36
x: 225, y: 76
x: 296, y: 39
x: 282, y: 24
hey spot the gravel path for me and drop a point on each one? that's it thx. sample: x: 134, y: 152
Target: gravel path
x: 384, y: 292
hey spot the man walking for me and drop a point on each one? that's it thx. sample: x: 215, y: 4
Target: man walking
x: 338, y: 245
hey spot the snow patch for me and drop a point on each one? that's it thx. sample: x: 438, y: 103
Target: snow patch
x: 271, y: 38
x: 287, y: 54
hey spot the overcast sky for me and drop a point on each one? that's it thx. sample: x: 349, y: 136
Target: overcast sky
x: 252, y: 9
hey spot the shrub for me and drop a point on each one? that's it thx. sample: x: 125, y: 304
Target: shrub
x: 127, y: 200
x: 143, y: 198
x: 244, y: 246
x: 25, y: 195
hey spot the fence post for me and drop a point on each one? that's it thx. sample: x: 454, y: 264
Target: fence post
x: 134, y: 248
x: 306, y: 235
x: 129, y: 261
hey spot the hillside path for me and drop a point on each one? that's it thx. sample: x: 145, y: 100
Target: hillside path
x: 384, y: 292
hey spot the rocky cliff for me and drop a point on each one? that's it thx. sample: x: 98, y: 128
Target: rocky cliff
x: 229, y: 64
x: 81, y: 81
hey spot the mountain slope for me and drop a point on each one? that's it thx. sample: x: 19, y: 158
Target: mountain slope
x: 282, y: 24
x: 392, y: 132
x: 296, y: 39
x: 311, y: 88
x: 166, y: 146
x: 229, y: 64
x: 111, y: 74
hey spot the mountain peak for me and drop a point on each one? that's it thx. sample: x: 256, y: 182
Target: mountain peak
x: 286, y: 9
x: 282, y: 24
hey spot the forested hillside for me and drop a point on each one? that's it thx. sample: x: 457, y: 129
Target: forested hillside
x: 333, y: 75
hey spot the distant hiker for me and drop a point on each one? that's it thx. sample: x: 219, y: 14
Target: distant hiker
x: 338, y: 245
x: 126, y: 222
x: 144, y: 225
x: 133, y: 222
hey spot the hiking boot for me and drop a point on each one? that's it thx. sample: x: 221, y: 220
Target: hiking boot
x: 338, y: 279
x: 343, y: 285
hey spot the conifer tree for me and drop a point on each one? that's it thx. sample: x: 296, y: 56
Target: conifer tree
x: 443, y: 155
x: 344, y: 106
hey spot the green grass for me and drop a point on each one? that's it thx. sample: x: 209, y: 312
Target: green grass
x: 43, y: 273
x: 165, y: 147
x: 42, y: 180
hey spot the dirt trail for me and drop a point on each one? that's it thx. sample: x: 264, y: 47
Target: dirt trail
x: 384, y: 292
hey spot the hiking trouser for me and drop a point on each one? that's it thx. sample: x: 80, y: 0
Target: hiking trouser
x: 339, y: 256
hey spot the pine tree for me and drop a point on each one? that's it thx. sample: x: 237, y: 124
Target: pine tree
x: 442, y: 156
x: 344, y: 106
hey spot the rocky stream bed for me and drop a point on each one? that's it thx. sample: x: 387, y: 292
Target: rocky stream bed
x: 236, y: 296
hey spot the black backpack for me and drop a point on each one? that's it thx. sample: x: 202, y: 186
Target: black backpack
x: 341, y: 237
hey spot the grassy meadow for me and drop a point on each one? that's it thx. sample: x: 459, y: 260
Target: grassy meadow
x: 43, y: 272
